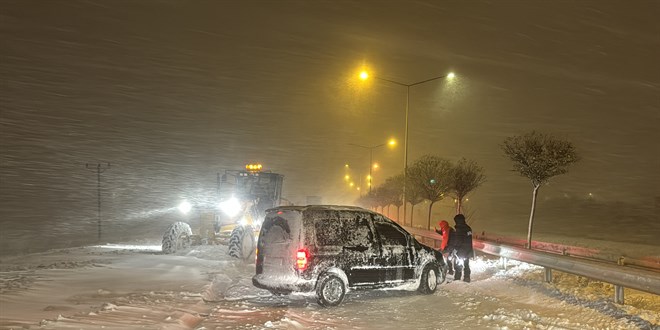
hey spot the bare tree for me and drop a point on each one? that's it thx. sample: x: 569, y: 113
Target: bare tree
x: 432, y: 175
x: 394, y: 191
x: 379, y: 194
x: 538, y: 157
x: 467, y: 176
x: 414, y: 197
x: 366, y: 201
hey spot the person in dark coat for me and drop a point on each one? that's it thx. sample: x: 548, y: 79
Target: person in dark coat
x: 460, y: 245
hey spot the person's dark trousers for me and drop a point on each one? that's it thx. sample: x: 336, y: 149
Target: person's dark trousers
x: 466, y: 270
x: 460, y: 266
x: 458, y: 269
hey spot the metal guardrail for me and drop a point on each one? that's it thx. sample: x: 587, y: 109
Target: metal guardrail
x: 647, y: 280
x: 648, y: 262
x: 634, y: 278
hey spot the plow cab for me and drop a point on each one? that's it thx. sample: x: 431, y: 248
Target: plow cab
x: 243, y: 197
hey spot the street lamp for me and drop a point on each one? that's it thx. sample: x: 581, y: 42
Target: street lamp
x: 371, y: 155
x: 364, y: 76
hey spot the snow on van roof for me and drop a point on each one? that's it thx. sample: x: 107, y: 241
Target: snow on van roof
x: 302, y: 208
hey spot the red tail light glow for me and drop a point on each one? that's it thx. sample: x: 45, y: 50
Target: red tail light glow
x: 302, y: 259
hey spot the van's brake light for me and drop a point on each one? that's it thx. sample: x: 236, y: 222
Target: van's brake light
x: 302, y: 259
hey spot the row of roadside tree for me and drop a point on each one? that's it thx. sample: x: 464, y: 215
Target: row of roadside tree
x: 432, y: 178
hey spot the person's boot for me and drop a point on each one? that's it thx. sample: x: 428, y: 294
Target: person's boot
x: 457, y: 276
x: 466, y: 279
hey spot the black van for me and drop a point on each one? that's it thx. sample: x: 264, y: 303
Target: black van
x: 331, y: 249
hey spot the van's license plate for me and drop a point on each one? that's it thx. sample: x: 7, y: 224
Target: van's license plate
x: 268, y: 261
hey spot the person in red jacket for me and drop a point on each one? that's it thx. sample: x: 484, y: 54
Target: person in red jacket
x: 447, y: 233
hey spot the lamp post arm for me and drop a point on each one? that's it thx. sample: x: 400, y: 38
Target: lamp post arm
x: 413, y: 84
x: 366, y: 147
x: 392, y: 81
x: 358, y: 145
x: 427, y: 80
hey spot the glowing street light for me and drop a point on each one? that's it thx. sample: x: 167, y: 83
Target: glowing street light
x: 364, y: 75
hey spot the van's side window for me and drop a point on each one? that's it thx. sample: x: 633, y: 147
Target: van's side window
x: 390, y: 235
x: 343, y: 232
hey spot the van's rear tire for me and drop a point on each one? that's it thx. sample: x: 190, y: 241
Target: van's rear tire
x: 330, y: 290
x: 241, y: 242
x: 177, y: 237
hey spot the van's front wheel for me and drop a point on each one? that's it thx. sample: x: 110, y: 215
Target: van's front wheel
x: 429, y: 281
x: 330, y: 290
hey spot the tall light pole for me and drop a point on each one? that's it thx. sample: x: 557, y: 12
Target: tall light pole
x: 391, y: 142
x: 371, y: 157
x: 364, y: 76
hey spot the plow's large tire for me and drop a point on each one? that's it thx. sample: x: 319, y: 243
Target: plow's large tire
x: 177, y: 237
x: 242, y: 242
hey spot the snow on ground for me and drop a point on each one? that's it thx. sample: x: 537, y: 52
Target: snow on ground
x: 136, y: 287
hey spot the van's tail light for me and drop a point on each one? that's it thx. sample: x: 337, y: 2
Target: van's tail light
x: 258, y: 262
x: 302, y: 259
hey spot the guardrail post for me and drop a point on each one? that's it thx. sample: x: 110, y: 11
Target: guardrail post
x: 618, y: 294
x: 548, y: 274
x: 503, y: 262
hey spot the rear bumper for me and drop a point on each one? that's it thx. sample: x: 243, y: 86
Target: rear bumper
x: 280, y: 283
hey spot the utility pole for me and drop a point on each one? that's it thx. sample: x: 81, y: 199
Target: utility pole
x: 100, y: 168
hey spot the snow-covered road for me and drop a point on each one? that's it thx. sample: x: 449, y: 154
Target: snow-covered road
x: 136, y: 287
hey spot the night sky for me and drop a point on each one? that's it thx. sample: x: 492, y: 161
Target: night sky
x: 172, y: 92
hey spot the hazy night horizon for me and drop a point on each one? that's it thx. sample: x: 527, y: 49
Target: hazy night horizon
x: 171, y: 93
